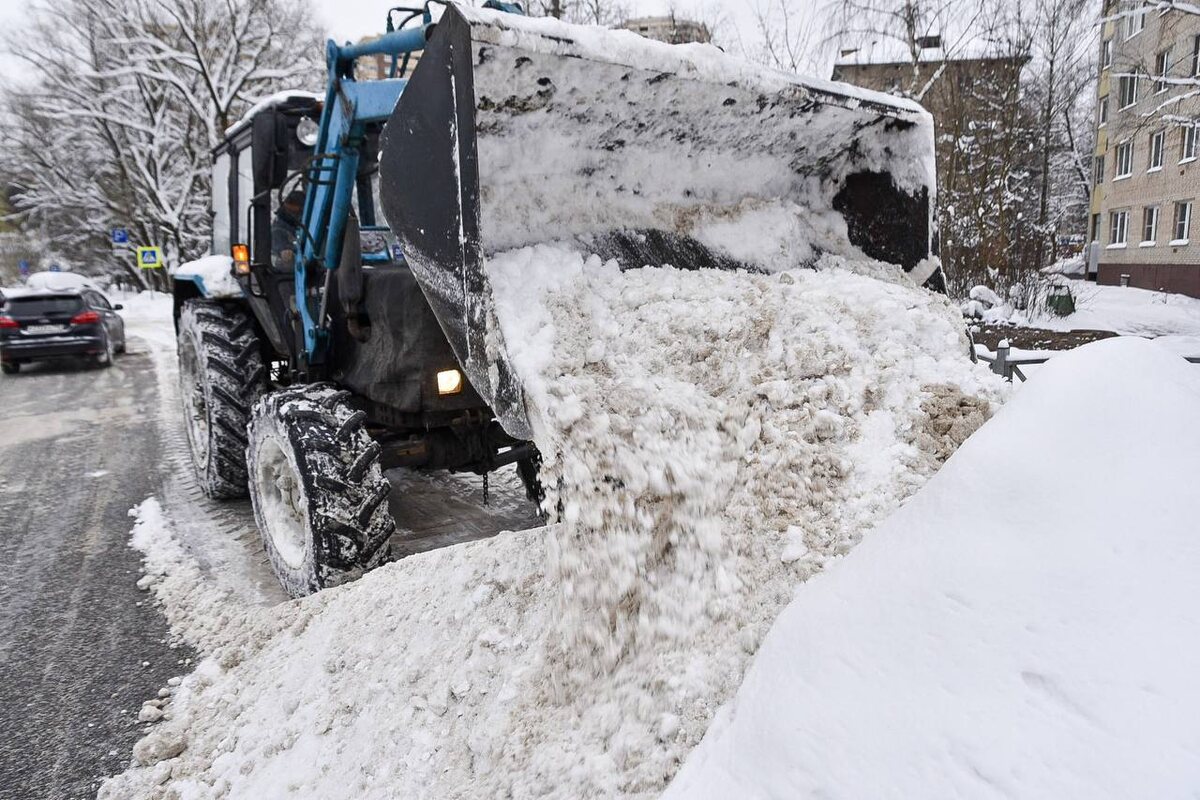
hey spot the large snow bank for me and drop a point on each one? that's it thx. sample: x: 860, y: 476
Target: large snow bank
x: 1025, y: 626
x: 713, y: 439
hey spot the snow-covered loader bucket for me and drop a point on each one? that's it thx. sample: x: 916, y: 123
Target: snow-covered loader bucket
x: 514, y: 131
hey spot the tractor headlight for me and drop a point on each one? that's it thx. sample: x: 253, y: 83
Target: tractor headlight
x: 307, y: 132
x: 449, y: 381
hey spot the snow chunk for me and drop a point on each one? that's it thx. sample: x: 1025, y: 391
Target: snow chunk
x: 986, y: 296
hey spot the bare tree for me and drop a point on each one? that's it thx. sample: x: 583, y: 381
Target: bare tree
x: 607, y: 13
x: 126, y: 100
x: 1063, y: 47
x: 902, y: 31
x: 788, y: 37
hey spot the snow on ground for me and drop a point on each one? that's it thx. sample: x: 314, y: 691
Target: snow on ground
x: 216, y: 541
x: 147, y: 316
x: 713, y: 440
x: 1025, y: 626
x: 1124, y: 310
x: 198, y: 609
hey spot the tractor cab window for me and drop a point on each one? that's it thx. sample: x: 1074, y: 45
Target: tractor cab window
x: 220, y: 205
x: 284, y: 225
x: 245, y: 195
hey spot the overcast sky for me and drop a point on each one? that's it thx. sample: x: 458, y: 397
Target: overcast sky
x: 353, y: 19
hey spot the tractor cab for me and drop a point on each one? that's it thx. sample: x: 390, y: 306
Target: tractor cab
x: 261, y: 162
x: 275, y: 205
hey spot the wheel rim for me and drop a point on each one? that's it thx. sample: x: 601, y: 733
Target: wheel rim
x: 280, y: 497
x: 195, y: 404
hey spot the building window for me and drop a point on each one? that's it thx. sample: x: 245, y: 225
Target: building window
x: 1149, y: 225
x: 1118, y: 228
x: 1095, y: 227
x: 1135, y: 22
x: 1098, y: 172
x: 1196, y: 55
x: 1156, y: 150
x: 1104, y: 110
x: 1106, y: 54
x: 1188, y: 152
x: 1162, y: 66
x: 1128, y: 90
x: 1124, y: 160
x: 1183, y: 221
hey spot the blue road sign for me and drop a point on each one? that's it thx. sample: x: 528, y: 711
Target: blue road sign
x: 120, y: 236
x: 55, y: 268
x: 23, y: 267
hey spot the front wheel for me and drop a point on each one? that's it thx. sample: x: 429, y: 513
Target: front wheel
x: 10, y: 367
x: 319, y: 494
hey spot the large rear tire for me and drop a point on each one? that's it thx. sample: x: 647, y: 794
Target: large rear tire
x: 319, y: 494
x: 221, y: 374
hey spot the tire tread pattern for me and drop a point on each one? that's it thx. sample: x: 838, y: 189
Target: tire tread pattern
x: 344, y: 486
x: 229, y: 360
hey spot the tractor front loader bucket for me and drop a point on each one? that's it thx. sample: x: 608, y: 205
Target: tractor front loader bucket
x: 514, y: 131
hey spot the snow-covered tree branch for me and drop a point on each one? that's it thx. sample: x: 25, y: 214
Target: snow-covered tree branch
x: 121, y: 105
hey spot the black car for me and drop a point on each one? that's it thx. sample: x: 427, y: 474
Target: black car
x: 45, y: 325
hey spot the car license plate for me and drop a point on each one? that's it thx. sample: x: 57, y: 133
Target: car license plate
x: 38, y: 329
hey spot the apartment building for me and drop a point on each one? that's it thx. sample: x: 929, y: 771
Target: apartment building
x: 669, y: 29
x: 1146, y: 181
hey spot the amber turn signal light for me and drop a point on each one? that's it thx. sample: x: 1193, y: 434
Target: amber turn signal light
x: 241, y: 259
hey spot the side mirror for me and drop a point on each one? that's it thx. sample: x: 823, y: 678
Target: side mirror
x: 117, y: 307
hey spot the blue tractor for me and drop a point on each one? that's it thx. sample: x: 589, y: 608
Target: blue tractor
x: 344, y: 323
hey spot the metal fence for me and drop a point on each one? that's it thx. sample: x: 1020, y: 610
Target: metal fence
x: 1007, y: 365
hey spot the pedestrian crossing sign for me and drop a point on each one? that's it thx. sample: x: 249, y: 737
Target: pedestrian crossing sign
x: 150, y: 257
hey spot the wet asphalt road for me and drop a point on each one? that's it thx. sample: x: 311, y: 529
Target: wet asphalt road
x: 78, y: 447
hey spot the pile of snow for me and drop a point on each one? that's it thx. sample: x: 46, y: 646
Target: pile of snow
x: 981, y: 300
x: 213, y: 274
x: 711, y: 439
x: 197, y: 611
x: 1025, y: 626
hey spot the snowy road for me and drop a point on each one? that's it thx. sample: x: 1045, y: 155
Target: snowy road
x: 80, y: 646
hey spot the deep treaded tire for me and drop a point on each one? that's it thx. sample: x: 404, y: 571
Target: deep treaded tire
x: 319, y: 494
x: 221, y: 374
